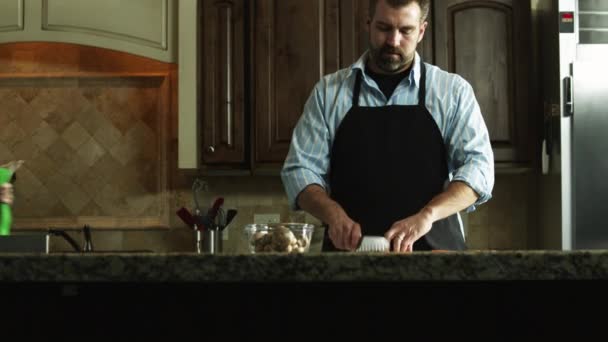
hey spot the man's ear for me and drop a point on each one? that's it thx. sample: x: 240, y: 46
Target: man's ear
x: 422, y: 30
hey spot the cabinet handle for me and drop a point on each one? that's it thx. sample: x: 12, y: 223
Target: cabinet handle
x: 568, y: 96
x: 210, y: 149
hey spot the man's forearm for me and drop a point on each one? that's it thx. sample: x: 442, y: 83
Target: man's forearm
x: 315, y: 200
x: 456, y: 197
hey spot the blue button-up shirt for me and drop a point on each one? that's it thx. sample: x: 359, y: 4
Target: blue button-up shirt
x: 449, y: 99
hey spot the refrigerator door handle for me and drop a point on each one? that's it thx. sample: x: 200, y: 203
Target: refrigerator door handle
x: 568, y: 96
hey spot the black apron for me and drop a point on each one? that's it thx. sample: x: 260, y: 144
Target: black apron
x: 386, y: 164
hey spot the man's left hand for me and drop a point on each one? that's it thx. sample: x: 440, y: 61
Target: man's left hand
x: 404, y: 233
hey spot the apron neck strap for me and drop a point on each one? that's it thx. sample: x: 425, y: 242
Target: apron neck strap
x: 422, y: 85
x: 357, y: 88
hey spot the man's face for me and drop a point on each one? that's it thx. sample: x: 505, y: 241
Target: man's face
x: 393, y: 36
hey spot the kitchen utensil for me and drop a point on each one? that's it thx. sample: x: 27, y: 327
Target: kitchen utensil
x: 197, y: 187
x: 215, y: 208
x: 186, y: 217
x: 279, y: 237
x: 373, y: 244
x: 88, y: 241
x: 66, y: 237
x: 230, y: 214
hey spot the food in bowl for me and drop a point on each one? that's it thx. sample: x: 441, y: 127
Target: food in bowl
x: 279, y: 237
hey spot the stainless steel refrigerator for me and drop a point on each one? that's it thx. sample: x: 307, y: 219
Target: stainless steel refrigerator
x: 572, y: 41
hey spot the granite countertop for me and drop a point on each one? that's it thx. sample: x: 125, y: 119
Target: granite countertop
x: 319, y: 267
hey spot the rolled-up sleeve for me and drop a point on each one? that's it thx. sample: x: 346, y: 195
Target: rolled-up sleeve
x: 307, y: 161
x: 468, y: 146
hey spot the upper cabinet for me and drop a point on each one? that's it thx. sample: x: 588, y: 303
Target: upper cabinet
x: 260, y: 60
x: 487, y: 43
x: 295, y: 43
x: 141, y: 27
x: 223, y: 59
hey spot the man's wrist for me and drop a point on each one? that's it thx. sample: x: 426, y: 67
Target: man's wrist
x: 429, y: 213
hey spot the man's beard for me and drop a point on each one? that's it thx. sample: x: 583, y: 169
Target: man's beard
x: 386, y: 62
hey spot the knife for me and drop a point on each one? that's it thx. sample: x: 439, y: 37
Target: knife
x: 213, y: 211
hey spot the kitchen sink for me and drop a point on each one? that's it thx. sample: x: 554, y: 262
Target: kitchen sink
x: 23, y: 243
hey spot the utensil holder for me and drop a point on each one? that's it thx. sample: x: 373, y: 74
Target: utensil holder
x: 209, y: 241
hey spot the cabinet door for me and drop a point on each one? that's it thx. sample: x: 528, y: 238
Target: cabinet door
x: 222, y: 68
x: 487, y: 43
x: 295, y: 43
x: 354, y: 15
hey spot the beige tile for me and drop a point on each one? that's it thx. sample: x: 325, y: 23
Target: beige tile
x: 92, y: 209
x: 107, y: 135
x: 60, y: 153
x: 44, y: 136
x: 5, y: 153
x: 107, y: 239
x: 28, y: 94
x: 111, y: 201
x: 28, y: 121
x: 74, y: 199
x: 25, y: 150
x: 58, y: 120
x: 139, y: 204
x: 123, y: 152
x: 74, y: 168
x: 12, y: 106
x: 90, y: 152
x: 141, y: 137
x: 11, y: 134
x: 92, y: 120
x: 42, y: 166
x: 140, y: 240
x: 58, y: 210
x: 74, y: 135
x: 27, y: 183
x: 104, y: 168
x: 58, y: 183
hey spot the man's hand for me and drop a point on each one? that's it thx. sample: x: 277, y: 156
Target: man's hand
x: 6, y: 193
x: 344, y: 233
x: 404, y: 233
x: 455, y: 198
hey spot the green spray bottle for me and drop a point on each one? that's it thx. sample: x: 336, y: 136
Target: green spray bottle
x: 6, y: 215
x: 7, y: 175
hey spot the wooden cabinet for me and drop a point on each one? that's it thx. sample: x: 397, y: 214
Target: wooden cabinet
x: 295, y: 43
x: 262, y: 58
x: 141, y: 27
x: 223, y: 60
x: 487, y: 43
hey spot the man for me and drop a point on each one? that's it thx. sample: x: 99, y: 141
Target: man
x: 391, y: 145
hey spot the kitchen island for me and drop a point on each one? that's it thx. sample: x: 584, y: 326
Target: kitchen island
x: 318, y: 267
x: 494, y: 295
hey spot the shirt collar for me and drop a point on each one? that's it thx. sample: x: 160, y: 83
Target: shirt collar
x: 413, y: 77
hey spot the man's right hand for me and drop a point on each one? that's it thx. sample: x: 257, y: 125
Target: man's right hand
x: 6, y: 193
x: 344, y: 233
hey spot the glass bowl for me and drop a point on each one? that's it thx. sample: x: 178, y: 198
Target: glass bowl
x: 279, y: 237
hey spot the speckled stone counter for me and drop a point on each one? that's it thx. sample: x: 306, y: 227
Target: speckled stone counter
x: 323, y: 267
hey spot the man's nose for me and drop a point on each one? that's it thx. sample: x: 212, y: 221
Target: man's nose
x: 394, y: 38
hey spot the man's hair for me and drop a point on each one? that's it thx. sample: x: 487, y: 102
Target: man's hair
x: 424, y: 6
